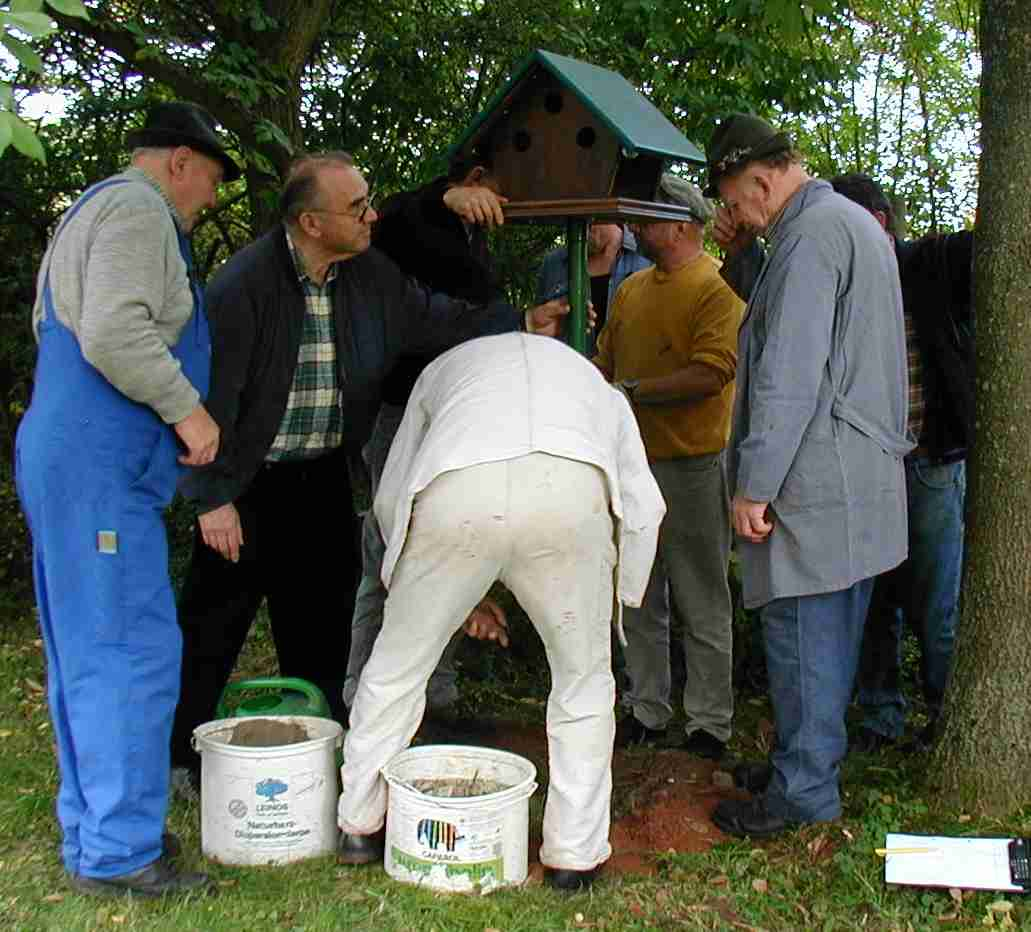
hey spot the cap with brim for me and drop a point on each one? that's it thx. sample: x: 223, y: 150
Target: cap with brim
x: 183, y: 124
x: 674, y: 190
x: 738, y: 139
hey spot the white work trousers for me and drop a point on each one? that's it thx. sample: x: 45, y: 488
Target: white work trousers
x: 542, y: 525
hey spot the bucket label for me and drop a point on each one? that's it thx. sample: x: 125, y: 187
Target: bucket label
x: 270, y: 788
x: 270, y: 821
x: 476, y: 871
x: 435, y: 834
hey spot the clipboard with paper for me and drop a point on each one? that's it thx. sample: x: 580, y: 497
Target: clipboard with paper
x: 966, y: 863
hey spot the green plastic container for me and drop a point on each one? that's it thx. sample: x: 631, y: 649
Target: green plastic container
x: 279, y: 695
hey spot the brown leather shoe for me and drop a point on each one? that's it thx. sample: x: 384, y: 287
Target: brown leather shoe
x: 156, y: 879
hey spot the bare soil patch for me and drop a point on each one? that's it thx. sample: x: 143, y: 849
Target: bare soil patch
x: 662, y: 799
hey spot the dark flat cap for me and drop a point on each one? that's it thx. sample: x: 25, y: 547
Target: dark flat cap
x: 183, y: 124
x: 738, y: 139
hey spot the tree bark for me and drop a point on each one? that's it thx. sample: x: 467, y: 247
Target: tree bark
x: 981, y: 760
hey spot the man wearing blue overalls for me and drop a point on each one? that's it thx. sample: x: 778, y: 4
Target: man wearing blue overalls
x: 117, y: 412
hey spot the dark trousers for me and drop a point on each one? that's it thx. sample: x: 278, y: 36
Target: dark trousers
x: 300, y: 552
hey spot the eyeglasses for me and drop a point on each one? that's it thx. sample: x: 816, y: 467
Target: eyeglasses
x: 357, y: 213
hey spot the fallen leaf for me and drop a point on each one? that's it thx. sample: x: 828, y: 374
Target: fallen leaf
x: 847, y: 834
x: 578, y: 917
x: 957, y: 895
x: 720, y: 881
x: 118, y: 920
x: 33, y: 685
x: 887, y: 799
x: 6, y: 733
x: 965, y: 818
x: 761, y: 885
x: 816, y: 845
x: 53, y: 898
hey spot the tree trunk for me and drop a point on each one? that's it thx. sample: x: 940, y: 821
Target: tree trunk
x: 981, y: 761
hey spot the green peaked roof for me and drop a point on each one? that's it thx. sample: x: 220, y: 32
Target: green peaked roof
x: 639, y: 126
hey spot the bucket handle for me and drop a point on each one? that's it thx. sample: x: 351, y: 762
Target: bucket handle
x: 313, y: 693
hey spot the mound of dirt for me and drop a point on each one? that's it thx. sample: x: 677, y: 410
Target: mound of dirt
x: 267, y: 733
x: 662, y: 799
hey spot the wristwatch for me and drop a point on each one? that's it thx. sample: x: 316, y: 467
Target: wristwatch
x: 630, y: 387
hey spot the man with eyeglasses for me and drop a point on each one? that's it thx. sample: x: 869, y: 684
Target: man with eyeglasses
x: 306, y: 323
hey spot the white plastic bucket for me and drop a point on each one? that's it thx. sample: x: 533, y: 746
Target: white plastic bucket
x: 268, y: 805
x: 459, y: 844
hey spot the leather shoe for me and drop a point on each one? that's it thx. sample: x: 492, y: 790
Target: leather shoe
x: 631, y: 732
x: 868, y: 741
x: 701, y: 744
x: 571, y: 881
x: 746, y: 818
x: 360, y: 849
x: 753, y: 776
x: 156, y: 879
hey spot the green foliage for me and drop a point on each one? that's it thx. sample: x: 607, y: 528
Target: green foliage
x: 26, y: 17
x: 908, y: 114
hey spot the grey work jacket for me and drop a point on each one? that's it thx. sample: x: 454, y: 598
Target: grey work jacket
x: 820, y: 412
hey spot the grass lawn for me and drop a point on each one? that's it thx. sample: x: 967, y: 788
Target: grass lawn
x: 821, y: 877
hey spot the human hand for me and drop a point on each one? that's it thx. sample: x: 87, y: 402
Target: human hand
x: 221, y: 530
x: 749, y: 519
x: 487, y: 622
x: 729, y: 236
x: 546, y: 319
x: 200, y: 435
x: 476, y: 204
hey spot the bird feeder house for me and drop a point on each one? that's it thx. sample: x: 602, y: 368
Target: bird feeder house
x: 570, y: 142
x: 568, y: 139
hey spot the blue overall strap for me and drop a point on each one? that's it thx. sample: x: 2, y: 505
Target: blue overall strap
x: 187, y: 253
x: 89, y: 193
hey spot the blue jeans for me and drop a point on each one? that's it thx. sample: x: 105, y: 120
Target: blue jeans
x: 812, y: 649
x: 923, y: 591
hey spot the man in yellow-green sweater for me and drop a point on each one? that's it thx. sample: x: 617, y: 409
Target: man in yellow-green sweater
x: 670, y: 344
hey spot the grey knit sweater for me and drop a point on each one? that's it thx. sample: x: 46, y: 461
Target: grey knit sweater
x: 120, y: 285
